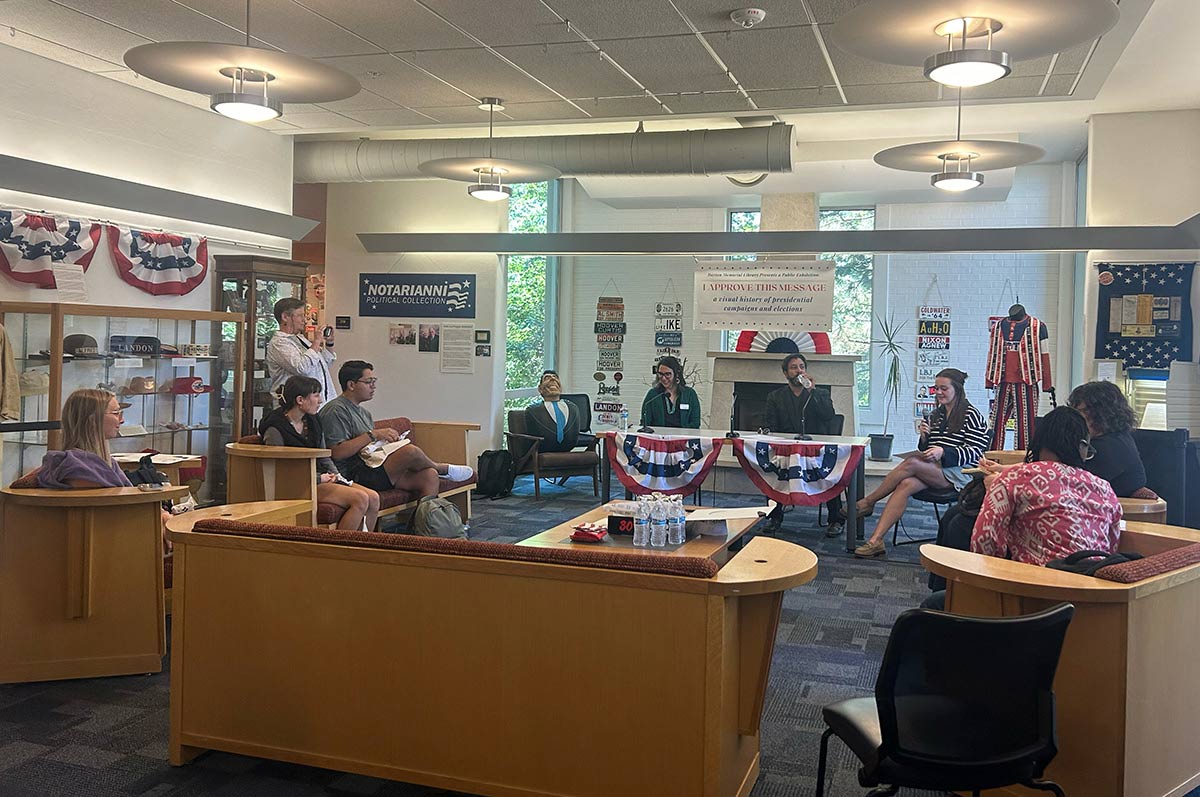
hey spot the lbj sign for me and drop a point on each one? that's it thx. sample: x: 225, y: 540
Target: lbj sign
x: 782, y: 295
x: 417, y: 295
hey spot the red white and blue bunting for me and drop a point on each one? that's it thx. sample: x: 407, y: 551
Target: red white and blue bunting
x: 160, y: 263
x: 797, y: 473
x: 32, y: 244
x: 647, y: 463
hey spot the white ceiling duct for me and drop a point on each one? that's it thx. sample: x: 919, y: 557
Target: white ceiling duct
x: 689, y: 152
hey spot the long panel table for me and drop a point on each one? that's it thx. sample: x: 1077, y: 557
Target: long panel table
x: 727, y: 458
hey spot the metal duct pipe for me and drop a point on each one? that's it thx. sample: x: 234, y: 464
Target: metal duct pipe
x: 689, y: 152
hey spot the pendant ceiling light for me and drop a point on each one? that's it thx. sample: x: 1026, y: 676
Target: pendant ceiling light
x: 990, y: 34
x: 246, y: 83
x: 958, y: 165
x: 491, y: 178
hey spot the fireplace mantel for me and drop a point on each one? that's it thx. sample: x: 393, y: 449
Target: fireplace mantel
x: 834, y: 370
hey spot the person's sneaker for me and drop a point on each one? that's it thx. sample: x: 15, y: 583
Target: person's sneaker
x: 771, y: 524
x: 459, y: 473
x: 836, y: 529
x: 869, y: 550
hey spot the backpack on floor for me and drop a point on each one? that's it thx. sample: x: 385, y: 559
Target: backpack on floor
x: 437, y: 517
x: 495, y: 473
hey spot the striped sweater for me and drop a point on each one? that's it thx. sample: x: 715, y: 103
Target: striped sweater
x: 962, y: 448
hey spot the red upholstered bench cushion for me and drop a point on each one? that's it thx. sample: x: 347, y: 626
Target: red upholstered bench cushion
x: 689, y: 566
x: 1145, y: 493
x: 1154, y: 565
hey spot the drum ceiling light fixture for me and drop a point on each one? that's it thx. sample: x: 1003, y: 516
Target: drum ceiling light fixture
x: 958, y: 164
x: 487, y: 175
x: 246, y: 83
x: 904, y: 32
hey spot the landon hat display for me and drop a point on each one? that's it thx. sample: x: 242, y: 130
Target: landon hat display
x: 134, y: 344
x: 187, y: 386
x: 82, y: 346
x: 139, y: 386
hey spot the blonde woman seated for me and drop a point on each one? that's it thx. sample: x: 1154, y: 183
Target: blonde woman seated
x: 954, y: 437
x: 90, y: 418
x: 295, y: 423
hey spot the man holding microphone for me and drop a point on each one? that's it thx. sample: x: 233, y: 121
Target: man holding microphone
x: 291, y: 354
x: 799, y: 408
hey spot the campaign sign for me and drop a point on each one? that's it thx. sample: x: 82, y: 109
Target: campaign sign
x: 608, y: 390
x: 609, y: 346
x: 933, y: 341
x: 672, y: 339
x: 609, y: 328
x: 925, y: 312
x: 615, y: 365
x: 927, y: 373
x: 607, y: 406
x: 610, y: 315
x: 668, y: 325
x: 417, y: 295
x: 610, y: 338
x: 933, y: 327
x: 668, y: 308
x: 933, y: 358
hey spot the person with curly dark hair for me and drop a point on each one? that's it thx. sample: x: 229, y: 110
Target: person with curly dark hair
x: 1110, y: 422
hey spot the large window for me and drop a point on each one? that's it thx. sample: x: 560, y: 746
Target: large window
x: 530, y: 333
x: 852, y: 307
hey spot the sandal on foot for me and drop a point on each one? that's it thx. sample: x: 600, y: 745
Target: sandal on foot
x: 869, y: 550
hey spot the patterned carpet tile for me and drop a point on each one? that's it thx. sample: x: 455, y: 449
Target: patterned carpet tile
x: 108, y: 736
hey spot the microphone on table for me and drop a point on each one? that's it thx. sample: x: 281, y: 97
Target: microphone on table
x: 644, y: 429
x: 732, y: 414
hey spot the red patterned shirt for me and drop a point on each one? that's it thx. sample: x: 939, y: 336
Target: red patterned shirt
x: 1046, y: 510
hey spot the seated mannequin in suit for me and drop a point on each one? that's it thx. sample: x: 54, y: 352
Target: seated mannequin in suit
x: 554, y: 420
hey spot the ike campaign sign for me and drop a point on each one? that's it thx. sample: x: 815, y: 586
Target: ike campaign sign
x: 782, y: 295
x: 417, y: 295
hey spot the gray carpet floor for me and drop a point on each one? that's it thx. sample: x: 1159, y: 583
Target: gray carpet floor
x: 108, y: 736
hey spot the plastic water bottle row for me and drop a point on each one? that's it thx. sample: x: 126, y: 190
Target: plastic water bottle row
x: 660, y: 520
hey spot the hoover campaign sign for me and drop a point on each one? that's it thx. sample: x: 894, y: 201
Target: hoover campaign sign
x: 417, y: 295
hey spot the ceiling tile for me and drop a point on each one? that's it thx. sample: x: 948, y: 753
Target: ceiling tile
x: 57, y: 52
x: 1033, y: 67
x: 855, y: 71
x: 534, y: 111
x: 892, y: 93
x: 467, y: 114
x: 284, y: 24
x: 390, y: 77
x: 1059, y: 86
x: 159, y: 20
x: 621, y: 19
x: 397, y: 117
x: 68, y: 28
x: 634, y: 107
x: 397, y: 25
x: 497, y: 22
x: 319, y: 121
x: 773, y: 58
x: 573, y: 69
x: 830, y: 11
x: 481, y: 74
x: 796, y: 98
x: 713, y: 15
x: 1001, y: 89
x: 668, y: 63
x: 707, y: 102
x: 1072, y: 60
x: 365, y: 100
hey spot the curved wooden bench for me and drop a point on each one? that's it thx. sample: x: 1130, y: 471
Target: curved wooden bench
x: 1144, y: 510
x: 424, y: 641
x: 81, y: 582
x: 1128, y: 707
x: 1006, y: 457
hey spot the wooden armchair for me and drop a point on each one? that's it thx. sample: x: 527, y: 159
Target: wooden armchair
x: 81, y: 582
x: 545, y: 464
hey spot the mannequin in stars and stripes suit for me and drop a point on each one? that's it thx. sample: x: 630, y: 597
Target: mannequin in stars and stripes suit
x: 554, y: 420
x: 1018, y: 360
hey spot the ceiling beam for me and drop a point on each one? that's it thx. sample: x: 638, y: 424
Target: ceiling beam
x: 1001, y: 239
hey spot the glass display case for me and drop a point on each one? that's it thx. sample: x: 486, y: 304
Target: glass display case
x: 177, y: 374
x: 251, y: 285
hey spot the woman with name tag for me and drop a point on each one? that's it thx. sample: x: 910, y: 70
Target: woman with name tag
x: 953, y: 438
x: 295, y: 423
x: 671, y: 402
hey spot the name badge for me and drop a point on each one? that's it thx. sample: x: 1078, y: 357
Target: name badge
x: 685, y: 406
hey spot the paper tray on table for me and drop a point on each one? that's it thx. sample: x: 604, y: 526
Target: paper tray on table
x: 713, y: 521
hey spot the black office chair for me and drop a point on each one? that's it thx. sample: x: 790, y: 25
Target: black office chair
x: 961, y: 704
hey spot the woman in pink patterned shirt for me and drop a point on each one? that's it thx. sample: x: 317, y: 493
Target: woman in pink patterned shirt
x: 1049, y: 507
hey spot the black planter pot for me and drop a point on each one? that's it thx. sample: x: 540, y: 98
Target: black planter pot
x: 881, y: 447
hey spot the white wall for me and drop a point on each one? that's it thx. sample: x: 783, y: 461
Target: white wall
x: 64, y: 116
x: 410, y: 382
x: 1127, y: 154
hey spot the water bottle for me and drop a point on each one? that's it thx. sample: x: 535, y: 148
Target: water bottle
x: 641, y: 524
x: 658, y: 524
x: 624, y: 418
x: 677, y: 522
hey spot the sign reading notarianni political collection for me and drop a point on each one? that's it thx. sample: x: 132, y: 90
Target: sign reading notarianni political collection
x: 417, y: 295
x: 783, y: 295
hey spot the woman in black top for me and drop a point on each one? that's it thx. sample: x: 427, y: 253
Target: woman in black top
x: 1110, y: 422
x: 295, y: 423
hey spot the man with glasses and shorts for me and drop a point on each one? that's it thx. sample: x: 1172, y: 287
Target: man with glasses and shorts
x: 349, y: 429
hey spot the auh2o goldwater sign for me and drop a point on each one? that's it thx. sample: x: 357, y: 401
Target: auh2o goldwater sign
x: 783, y: 295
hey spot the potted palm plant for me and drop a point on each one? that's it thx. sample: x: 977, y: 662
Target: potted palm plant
x: 889, y: 353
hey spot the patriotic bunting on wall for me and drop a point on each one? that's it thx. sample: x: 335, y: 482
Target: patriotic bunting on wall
x: 31, y: 245
x: 160, y: 263
x: 647, y: 463
x: 783, y: 342
x: 797, y: 473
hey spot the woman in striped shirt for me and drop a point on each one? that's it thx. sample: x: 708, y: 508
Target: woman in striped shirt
x: 954, y: 437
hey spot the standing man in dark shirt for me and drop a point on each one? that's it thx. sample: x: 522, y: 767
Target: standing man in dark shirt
x: 799, y: 408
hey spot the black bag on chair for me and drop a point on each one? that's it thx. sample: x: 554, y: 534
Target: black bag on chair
x: 146, y: 473
x: 495, y: 473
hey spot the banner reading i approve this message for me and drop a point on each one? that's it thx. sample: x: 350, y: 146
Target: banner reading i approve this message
x: 782, y: 294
